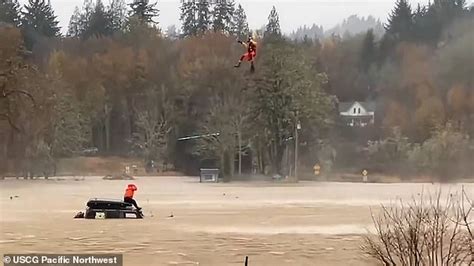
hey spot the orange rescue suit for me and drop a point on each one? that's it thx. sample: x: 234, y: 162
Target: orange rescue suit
x: 130, y: 190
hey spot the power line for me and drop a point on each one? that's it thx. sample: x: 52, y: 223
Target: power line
x: 199, y: 136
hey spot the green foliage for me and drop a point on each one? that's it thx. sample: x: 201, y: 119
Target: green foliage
x: 80, y: 19
x: 456, y: 59
x: 287, y: 90
x: 74, y: 28
x: 426, y: 24
x: 400, y: 21
x: 240, y: 24
x: 172, y: 32
x: 368, y: 51
x: 203, y: 21
x: 69, y: 130
x: 10, y: 12
x: 144, y: 11
x: 38, y: 21
x: 439, y: 154
x: 354, y: 25
x: 223, y: 14
x: 392, y: 149
x: 272, y: 29
x: 344, y: 62
x: 71, y: 127
x: 188, y: 18
x: 116, y: 13
x: 445, y: 146
x: 217, y: 101
x: 423, y: 25
x: 95, y: 20
x: 430, y: 21
x: 15, y: 73
x: 99, y: 23
x: 314, y: 32
x: 197, y: 17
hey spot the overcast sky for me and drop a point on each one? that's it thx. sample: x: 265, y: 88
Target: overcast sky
x: 293, y: 14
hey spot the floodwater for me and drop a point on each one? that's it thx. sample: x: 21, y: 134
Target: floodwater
x: 309, y: 223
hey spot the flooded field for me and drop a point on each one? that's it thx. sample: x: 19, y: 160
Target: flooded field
x: 308, y: 223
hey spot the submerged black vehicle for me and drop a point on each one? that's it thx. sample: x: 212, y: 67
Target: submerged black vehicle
x: 110, y: 209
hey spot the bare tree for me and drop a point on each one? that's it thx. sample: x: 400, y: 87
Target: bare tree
x: 226, y: 116
x: 13, y: 71
x: 465, y: 212
x: 154, y: 125
x: 426, y: 231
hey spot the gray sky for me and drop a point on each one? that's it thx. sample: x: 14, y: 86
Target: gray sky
x: 293, y: 14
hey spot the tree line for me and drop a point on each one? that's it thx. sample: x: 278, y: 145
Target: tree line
x: 117, y: 82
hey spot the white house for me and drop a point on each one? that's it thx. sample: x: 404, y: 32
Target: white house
x: 357, y: 114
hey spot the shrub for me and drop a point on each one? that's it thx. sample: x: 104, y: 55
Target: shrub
x: 426, y: 231
x: 394, y: 148
x: 441, y: 150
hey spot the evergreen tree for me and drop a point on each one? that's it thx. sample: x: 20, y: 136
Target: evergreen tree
x: 423, y: 25
x: 75, y: 27
x: 188, y: 18
x: 400, y: 21
x: 241, y: 27
x: 418, y: 16
x: 273, y: 29
x: 99, y: 23
x: 287, y: 89
x: 314, y: 32
x: 144, y: 11
x: 203, y: 16
x: 386, y: 47
x: 10, y: 12
x: 368, y: 51
x: 223, y: 14
x: 88, y: 8
x: 451, y: 8
x: 430, y: 21
x: 172, y: 32
x: 441, y: 13
x: 80, y: 19
x: 117, y: 12
x: 38, y: 21
x: 97, y: 20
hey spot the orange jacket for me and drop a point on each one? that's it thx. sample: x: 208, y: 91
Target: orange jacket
x: 130, y: 190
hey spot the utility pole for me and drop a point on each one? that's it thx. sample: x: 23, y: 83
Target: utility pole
x: 298, y: 127
x: 240, y: 152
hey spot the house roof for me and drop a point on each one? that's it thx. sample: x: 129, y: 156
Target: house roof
x: 369, y: 106
x: 344, y: 106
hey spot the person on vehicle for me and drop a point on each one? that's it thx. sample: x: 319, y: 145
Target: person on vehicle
x: 128, y: 197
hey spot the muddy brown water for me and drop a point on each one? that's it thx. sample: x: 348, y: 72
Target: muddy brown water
x: 309, y: 223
